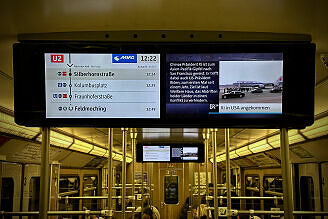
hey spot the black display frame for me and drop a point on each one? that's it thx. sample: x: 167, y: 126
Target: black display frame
x: 29, y: 101
x: 200, y: 146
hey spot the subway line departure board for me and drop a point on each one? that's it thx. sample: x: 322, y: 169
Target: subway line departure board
x: 102, y: 85
x: 164, y: 84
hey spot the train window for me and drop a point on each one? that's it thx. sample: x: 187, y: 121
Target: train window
x: 7, y: 195
x: 118, y: 201
x: 307, y: 195
x: 233, y: 182
x: 252, y: 189
x: 34, y: 194
x: 90, y: 185
x: 272, y: 186
x: 69, y: 186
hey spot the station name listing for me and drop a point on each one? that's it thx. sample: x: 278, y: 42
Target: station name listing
x: 102, y: 85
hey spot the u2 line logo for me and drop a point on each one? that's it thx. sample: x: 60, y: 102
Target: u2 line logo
x: 124, y: 58
x: 57, y: 58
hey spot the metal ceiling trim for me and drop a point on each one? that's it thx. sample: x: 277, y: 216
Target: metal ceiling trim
x: 165, y: 36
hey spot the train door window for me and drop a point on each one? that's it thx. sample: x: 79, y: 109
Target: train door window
x: 307, y: 194
x: 7, y: 195
x: 90, y: 185
x: 34, y: 194
x: 272, y: 186
x: 223, y: 181
x: 69, y: 186
x: 223, y: 178
x: 233, y: 181
x: 252, y: 189
x: 171, y: 190
x: 118, y: 201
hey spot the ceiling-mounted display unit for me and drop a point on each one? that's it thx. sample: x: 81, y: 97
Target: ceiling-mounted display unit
x: 201, y: 81
x: 174, y: 153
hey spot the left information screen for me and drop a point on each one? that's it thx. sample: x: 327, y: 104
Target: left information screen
x: 80, y: 85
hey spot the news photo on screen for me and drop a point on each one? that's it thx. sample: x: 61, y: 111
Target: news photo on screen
x: 210, y: 85
x: 185, y: 153
x: 80, y: 85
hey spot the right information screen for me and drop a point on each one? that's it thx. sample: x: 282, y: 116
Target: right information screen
x: 214, y: 84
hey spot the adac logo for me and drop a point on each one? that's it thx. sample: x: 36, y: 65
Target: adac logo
x: 124, y: 58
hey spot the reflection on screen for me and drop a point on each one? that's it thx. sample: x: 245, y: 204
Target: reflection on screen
x: 210, y: 85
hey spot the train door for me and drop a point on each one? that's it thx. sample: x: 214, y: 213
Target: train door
x: 235, y: 181
x: 11, y: 188
x: 90, y: 189
x: 272, y: 186
x: 309, y: 186
x: 31, y: 189
x: 7, y: 194
x: 175, y: 189
x: 324, y: 183
x: 69, y: 186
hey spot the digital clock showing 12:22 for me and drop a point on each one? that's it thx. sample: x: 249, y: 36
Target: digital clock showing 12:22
x: 148, y: 58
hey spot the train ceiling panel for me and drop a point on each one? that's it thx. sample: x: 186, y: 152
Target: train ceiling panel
x: 97, y: 137
x: 300, y: 155
x: 274, y: 154
x: 26, y: 152
x: 89, y: 134
x: 244, y: 162
x: 263, y: 160
x: 250, y: 135
x: 75, y: 159
x: 301, y: 152
x: 95, y: 162
x: 317, y: 148
x: 11, y: 148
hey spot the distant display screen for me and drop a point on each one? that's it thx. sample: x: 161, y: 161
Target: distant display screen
x: 184, y: 153
x: 210, y: 85
x: 156, y: 153
x: 170, y: 153
x: 102, y: 85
